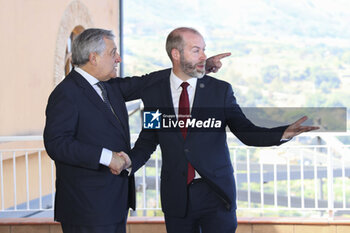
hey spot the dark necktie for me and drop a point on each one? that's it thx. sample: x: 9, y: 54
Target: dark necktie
x: 105, y: 98
x: 184, y: 112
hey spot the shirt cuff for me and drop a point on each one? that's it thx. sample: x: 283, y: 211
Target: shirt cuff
x: 106, y: 157
x: 285, y: 139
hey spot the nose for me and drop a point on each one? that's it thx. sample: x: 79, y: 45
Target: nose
x: 203, y: 57
x: 118, y: 59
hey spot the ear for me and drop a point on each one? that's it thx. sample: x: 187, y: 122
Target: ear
x: 175, y: 54
x: 93, y: 58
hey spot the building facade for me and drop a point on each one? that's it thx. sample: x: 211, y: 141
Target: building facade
x: 35, y: 46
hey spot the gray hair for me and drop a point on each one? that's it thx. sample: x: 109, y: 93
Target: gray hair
x: 175, y: 39
x: 89, y: 41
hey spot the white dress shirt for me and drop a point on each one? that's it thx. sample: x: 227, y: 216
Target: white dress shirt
x: 176, y: 89
x: 106, y: 155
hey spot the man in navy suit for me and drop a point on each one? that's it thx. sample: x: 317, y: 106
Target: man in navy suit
x: 82, y: 134
x: 197, y: 183
x: 86, y: 124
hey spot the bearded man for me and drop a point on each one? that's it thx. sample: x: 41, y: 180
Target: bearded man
x: 198, y: 191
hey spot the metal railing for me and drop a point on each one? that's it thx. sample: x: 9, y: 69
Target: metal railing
x: 27, y: 177
x: 296, y: 176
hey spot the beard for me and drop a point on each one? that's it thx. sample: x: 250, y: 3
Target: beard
x: 190, y: 69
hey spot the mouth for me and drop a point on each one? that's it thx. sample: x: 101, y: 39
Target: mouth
x: 200, y: 66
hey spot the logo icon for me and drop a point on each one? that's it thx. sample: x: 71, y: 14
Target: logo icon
x: 151, y: 120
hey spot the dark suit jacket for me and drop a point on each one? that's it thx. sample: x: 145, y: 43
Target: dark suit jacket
x: 78, y: 126
x: 206, y: 149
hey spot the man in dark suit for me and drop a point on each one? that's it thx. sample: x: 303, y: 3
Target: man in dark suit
x: 82, y: 134
x: 197, y: 183
x: 86, y: 124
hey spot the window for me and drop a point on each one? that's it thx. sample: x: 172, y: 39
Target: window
x: 68, y: 57
x: 289, y: 53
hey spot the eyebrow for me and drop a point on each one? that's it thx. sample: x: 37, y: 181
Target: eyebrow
x: 197, y: 47
x: 113, y: 50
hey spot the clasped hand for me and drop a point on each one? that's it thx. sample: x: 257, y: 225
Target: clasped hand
x: 119, y: 162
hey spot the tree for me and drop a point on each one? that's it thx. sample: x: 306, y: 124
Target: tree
x: 270, y: 72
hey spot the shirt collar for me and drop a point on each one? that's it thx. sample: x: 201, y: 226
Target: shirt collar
x: 176, y: 81
x: 91, y: 79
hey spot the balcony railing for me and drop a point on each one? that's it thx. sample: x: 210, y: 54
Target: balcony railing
x: 309, y: 174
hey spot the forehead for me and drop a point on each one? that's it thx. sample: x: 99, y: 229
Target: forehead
x: 110, y: 44
x: 192, y: 39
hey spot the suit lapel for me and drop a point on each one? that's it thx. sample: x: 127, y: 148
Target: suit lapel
x: 199, y: 100
x: 168, y: 96
x: 168, y: 103
x: 119, y: 107
x: 96, y: 100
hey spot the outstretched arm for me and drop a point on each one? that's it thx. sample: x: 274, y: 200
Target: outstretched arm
x: 296, y: 128
x: 145, y: 145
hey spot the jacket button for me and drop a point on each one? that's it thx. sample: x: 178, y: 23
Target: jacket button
x: 187, y: 150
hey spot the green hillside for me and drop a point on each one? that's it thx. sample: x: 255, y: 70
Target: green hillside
x: 284, y: 53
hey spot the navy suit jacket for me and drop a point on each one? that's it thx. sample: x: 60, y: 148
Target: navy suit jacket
x: 78, y: 126
x: 205, y: 148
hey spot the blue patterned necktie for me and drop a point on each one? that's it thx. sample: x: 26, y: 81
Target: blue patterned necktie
x: 101, y: 85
